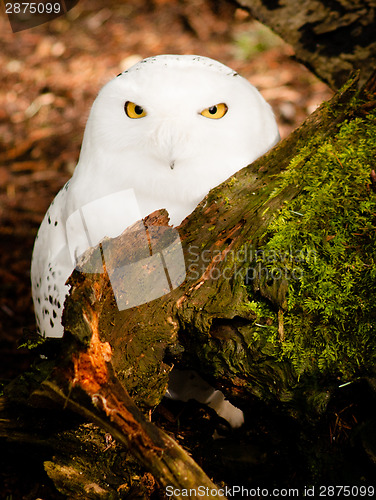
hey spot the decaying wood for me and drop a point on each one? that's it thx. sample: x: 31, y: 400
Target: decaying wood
x: 331, y: 38
x: 85, y: 370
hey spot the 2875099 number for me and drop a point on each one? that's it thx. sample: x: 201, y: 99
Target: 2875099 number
x: 346, y: 491
x: 33, y: 8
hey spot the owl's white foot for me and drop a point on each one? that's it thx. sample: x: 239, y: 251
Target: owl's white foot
x: 187, y: 384
x: 226, y: 410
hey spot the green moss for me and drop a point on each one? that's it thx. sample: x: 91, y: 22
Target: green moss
x: 324, y: 244
x: 232, y: 181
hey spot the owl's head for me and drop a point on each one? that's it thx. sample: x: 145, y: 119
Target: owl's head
x: 183, y: 121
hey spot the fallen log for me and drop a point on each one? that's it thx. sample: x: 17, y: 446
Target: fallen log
x: 234, y: 327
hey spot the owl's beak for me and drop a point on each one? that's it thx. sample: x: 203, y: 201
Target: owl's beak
x: 172, y: 164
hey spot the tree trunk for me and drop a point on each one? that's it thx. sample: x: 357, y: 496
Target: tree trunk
x: 331, y: 38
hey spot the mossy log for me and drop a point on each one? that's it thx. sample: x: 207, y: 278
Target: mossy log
x: 215, y: 321
x: 211, y: 322
x: 232, y: 324
x: 331, y: 38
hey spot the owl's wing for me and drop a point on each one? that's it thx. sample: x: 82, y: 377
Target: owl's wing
x: 50, y: 267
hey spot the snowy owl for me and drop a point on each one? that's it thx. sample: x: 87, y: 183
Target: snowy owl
x: 159, y: 135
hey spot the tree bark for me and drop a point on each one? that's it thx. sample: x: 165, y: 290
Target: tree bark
x: 331, y: 38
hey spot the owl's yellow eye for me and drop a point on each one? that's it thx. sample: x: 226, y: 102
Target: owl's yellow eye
x: 216, y: 112
x: 133, y: 110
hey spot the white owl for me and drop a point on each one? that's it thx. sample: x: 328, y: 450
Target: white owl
x: 159, y: 135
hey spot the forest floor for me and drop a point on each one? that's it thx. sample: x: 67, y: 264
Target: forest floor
x: 51, y: 74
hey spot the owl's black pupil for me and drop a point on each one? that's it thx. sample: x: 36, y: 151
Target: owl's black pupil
x: 213, y: 110
x: 138, y: 110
